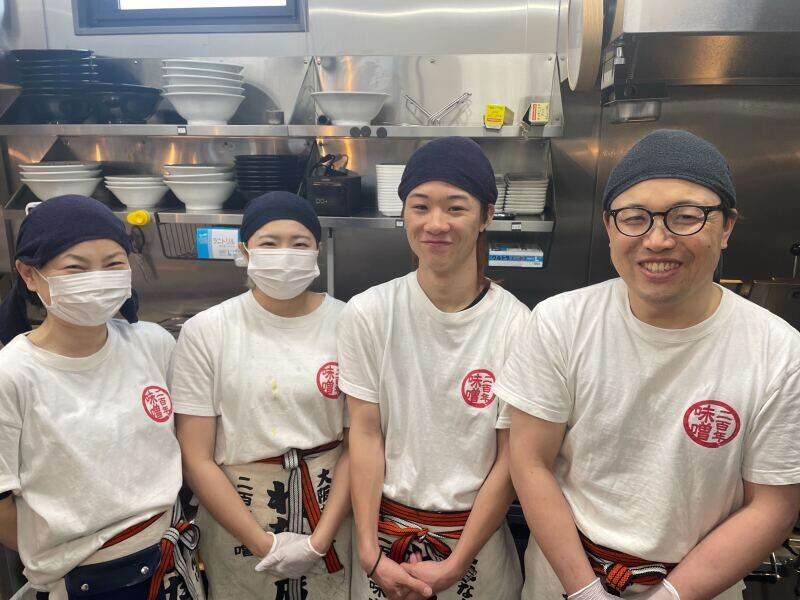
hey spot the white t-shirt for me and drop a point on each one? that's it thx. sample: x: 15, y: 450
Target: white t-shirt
x: 86, y: 444
x: 271, y: 380
x: 662, y: 425
x: 431, y: 372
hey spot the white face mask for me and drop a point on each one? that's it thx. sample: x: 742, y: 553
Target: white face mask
x: 88, y: 299
x: 282, y: 273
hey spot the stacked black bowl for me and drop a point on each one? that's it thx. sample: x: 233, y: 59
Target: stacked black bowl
x: 65, y: 86
x: 54, y: 84
x: 258, y: 174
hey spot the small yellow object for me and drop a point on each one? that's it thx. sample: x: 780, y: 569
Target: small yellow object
x: 139, y: 217
x: 539, y: 113
x: 497, y: 115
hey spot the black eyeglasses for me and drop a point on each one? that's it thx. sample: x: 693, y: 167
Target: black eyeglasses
x: 686, y: 219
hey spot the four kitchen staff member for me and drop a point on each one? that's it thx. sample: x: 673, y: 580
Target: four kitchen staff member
x: 654, y: 445
x: 89, y: 465
x: 429, y: 438
x: 261, y: 419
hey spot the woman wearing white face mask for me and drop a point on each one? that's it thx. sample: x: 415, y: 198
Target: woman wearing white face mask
x: 89, y: 463
x: 261, y: 420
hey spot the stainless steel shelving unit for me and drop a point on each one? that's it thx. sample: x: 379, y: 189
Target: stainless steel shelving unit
x: 372, y: 220
x: 283, y: 131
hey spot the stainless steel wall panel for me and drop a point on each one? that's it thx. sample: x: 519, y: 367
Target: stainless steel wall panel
x: 23, y: 25
x: 511, y: 79
x: 542, y: 26
x: 336, y: 27
x: 711, y: 16
x: 757, y: 129
x: 404, y: 27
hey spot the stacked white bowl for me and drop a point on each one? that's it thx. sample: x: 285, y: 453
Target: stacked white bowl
x: 137, y: 191
x: 203, y: 93
x: 50, y: 179
x: 200, y: 186
x: 388, y: 178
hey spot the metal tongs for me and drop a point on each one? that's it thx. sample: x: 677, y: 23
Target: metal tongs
x: 436, y: 118
x: 329, y: 161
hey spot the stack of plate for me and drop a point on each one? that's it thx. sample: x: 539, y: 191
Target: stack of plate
x: 137, y: 191
x: 51, y: 179
x: 388, y: 178
x: 500, y: 182
x: 258, y: 174
x: 54, y: 83
x: 524, y: 195
x: 201, y: 186
x: 203, y: 93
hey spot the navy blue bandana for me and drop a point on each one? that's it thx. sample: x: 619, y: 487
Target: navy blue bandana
x: 672, y: 154
x: 455, y: 160
x: 51, y: 228
x: 277, y: 206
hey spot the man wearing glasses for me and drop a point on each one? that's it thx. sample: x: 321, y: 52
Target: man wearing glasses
x: 656, y: 416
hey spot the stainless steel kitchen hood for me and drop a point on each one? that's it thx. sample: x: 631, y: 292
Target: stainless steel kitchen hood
x: 654, y: 44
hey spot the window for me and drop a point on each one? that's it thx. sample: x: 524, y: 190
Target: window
x: 101, y: 17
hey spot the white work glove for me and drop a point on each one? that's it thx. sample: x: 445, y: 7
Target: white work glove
x: 593, y: 591
x: 290, y: 557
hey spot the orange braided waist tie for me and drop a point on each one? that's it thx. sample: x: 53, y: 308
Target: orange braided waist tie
x: 410, y: 524
x: 619, y: 570
x: 302, y: 497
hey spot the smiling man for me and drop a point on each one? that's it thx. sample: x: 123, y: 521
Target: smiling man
x: 653, y: 437
x: 428, y: 438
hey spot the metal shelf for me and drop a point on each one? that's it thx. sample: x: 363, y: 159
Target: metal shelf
x: 540, y: 224
x: 291, y: 131
x: 91, y: 130
x: 421, y: 131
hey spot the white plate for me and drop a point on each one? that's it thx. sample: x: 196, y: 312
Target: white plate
x: 200, y: 177
x: 133, y: 178
x: 204, y: 89
x: 185, y: 63
x: 170, y: 71
x: 67, y: 165
x: 133, y: 184
x: 200, y: 80
x: 198, y: 168
x: 56, y: 175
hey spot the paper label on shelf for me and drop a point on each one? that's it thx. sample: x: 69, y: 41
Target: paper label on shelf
x: 220, y: 243
x: 529, y: 259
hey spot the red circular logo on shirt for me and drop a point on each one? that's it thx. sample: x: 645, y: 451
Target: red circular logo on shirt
x: 476, y: 388
x: 157, y: 403
x: 711, y: 423
x: 328, y: 380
